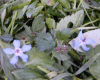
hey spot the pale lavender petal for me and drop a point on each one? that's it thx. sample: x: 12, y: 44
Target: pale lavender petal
x: 14, y: 60
x: 24, y: 57
x: 85, y: 48
x: 76, y: 44
x: 8, y: 51
x: 16, y: 43
x: 89, y: 41
x: 26, y: 48
x: 80, y: 36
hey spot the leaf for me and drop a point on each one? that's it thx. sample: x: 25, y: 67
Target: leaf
x: 38, y: 23
x: 75, y: 78
x: 62, y: 55
x: 6, y: 37
x: 62, y: 75
x: 91, y: 53
x: 63, y: 34
x: 27, y: 29
x: 65, y: 3
x: 57, y: 67
x: 94, y: 3
x: 33, y: 10
x: 48, y: 2
x: 45, y: 42
x: 66, y: 64
x: 50, y: 23
x: 38, y: 58
x: 26, y: 74
x: 95, y: 70
x: 76, y: 19
x: 39, y: 79
x: 87, y: 64
x: 21, y: 12
x: 86, y: 6
x: 90, y: 34
x: 3, y: 14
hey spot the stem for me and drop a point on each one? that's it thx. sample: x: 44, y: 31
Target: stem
x: 2, y: 45
x: 43, y: 69
x: 84, y: 25
x: 9, y: 5
x: 15, y: 15
x: 87, y: 14
x: 74, y: 7
x: 71, y: 10
x: 80, y: 3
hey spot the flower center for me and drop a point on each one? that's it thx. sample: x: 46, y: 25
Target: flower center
x: 84, y: 39
x: 18, y: 51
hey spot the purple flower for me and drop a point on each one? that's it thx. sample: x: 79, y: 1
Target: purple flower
x: 17, y: 52
x: 83, y: 41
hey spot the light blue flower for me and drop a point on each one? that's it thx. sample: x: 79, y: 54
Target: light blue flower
x: 17, y: 52
x: 83, y: 41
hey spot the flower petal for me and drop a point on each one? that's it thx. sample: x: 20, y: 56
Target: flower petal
x: 14, y: 60
x: 80, y: 36
x: 8, y: 51
x: 85, y: 48
x: 16, y: 43
x: 26, y: 48
x: 76, y: 44
x: 24, y: 57
x: 89, y: 41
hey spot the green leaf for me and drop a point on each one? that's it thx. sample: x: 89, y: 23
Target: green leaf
x: 27, y: 29
x: 6, y: 37
x: 21, y: 4
x: 39, y: 79
x: 62, y: 55
x: 63, y: 34
x: 26, y: 74
x: 3, y: 14
x: 62, y: 75
x: 45, y: 42
x: 65, y: 3
x: 48, y: 2
x: 95, y: 70
x: 33, y: 10
x: 38, y: 23
x: 87, y: 64
x: 57, y: 67
x: 39, y: 58
x: 76, y: 19
x: 21, y: 12
x: 66, y: 64
x: 75, y: 78
x: 50, y: 23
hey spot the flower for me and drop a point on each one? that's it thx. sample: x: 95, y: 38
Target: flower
x: 17, y: 52
x: 83, y: 41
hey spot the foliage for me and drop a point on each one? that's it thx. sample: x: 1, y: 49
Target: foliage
x: 51, y: 27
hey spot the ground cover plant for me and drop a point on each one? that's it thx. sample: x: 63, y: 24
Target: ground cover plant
x: 50, y: 40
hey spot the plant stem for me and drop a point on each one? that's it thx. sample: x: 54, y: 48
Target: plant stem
x: 43, y: 69
x: 9, y: 5
x: 84, y: 25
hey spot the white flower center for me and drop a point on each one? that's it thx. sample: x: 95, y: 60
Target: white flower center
x: 18, y: 51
